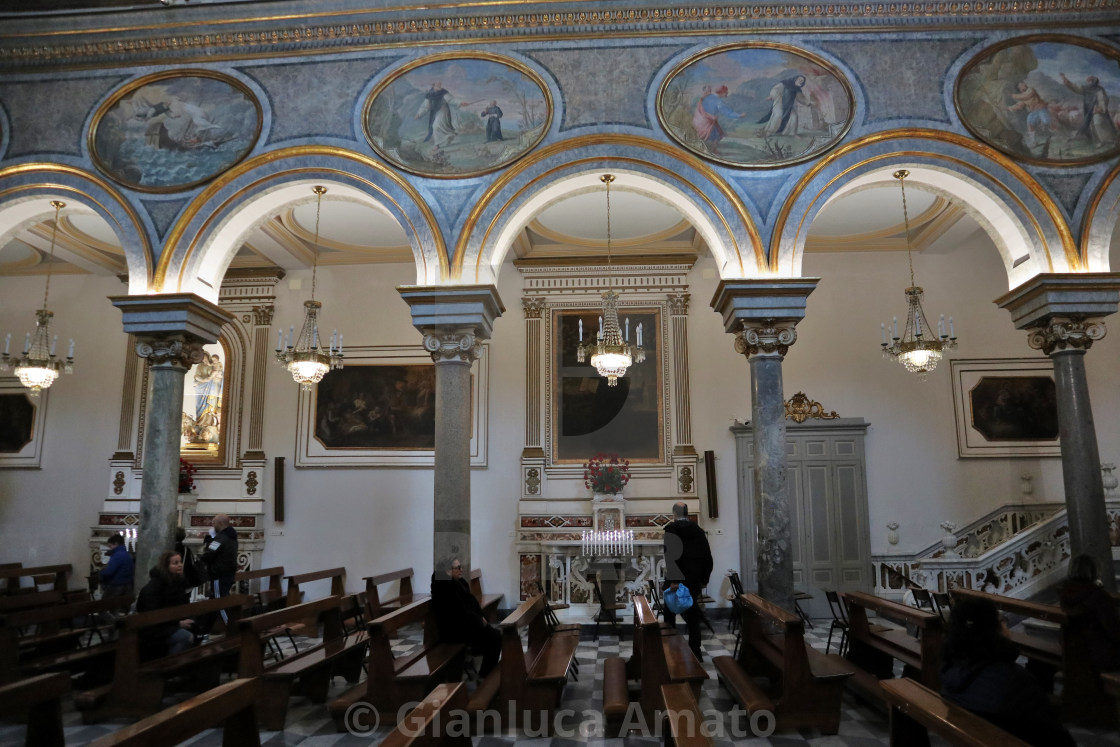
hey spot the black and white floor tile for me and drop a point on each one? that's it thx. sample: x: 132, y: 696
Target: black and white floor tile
x: 310, y: 726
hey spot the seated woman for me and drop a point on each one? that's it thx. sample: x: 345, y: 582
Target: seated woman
x: 978, y: 672
x: 1097, y: 621
x: 459, y: 616
x: 167, y: 587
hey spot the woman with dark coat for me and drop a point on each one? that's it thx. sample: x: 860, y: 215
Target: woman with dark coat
x: 459, y: 616
x: 978, y: 672
x: 166, y: 587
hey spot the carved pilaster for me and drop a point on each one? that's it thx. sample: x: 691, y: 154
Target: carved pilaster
x: 534, y: 307
x: 170, y: 350
x: 262, y: 315
x: 1066, y: 334
x: 766, y: 338
x: 678, y: 303
x: 454, y: 346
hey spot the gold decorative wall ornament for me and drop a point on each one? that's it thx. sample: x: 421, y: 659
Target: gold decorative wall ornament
x: 800, y: 408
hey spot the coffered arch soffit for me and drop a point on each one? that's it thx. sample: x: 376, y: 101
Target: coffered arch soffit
x: 27, y: 189
x: 718, y: 213
x: 1018, y: 214
x: 205, y: 239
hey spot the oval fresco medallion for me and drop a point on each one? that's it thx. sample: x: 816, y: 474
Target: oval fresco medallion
x: 174, y: 130
x: 1049, y: 100
x: 458, y: 115
x: 755, y: 105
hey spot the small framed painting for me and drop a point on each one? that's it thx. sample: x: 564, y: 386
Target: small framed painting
x: 1006, y: 407
x: 21, y: 425
x: 380, y: 411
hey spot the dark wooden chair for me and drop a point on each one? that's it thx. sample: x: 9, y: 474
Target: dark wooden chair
x: 608, y: 611
x: 839, y: 622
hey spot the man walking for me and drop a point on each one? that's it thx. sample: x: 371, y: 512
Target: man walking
x: 688, y: 560
x: 220, y: 555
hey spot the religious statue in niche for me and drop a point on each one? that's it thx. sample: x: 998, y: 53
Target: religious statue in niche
x: 202, y: 403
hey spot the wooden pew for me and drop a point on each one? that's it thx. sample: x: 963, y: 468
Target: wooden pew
x: 873, y: 649
x: 376, y: 606
x: 806, y: 685
x: 30, y: 600
x: 1084, y: 699
x: 40, y: 700
x: 915, y: 710
x: 426, y: 724
x: 533, y: 677
x: 313, y: 667
x: 682, y: 724
x: 488, y: 602
x: 396, y: 680
x: 230, y: 706
x: 13, y: 575
x: 337, y: 578
x: 272, y: 596
x: 1111, y: 683
x: 138, y: 686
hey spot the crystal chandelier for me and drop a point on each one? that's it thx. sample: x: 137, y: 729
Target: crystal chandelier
x: 306, y: 360
x: 38, y: 367
x: 917, y: 350
x: 611, y: 351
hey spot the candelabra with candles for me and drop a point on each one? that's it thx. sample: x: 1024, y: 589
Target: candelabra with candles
x: 607, y: 550
x: 607, y: 542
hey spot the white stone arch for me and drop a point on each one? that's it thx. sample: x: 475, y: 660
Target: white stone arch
x: 1022, y: 220
x: 1101, y: 221
x: 693, y: 187
x: 26, y: 191
x: 203, y: 242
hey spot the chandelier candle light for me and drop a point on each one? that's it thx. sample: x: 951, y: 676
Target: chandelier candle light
x: 38, y: 367
x: 306, y: 360
x: 611, y: 352
x: 607, y: 542
x: 917, y: 349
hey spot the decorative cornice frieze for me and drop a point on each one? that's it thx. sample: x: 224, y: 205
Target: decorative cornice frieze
x: 459, y: 346
x: 1066, y: 334
x: 534, y: 307
x: 768, y: 338
x: 314, y: 33
x: 174, y: 351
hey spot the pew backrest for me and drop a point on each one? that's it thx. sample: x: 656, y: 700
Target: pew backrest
x: 375, y: 605
x: 337, y: 578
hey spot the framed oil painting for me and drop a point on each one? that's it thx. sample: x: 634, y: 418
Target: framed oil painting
x: 1048, y: 100
x: 203, y: 424
x: 379, y: 411
x: 458, y: 115
x: 174, y: 130
x: 21, y: 425
x: 756, y: 105
x: 1005, y: 407
x: 591, y: 417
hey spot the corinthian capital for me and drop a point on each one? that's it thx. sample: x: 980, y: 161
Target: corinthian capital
x: 533, y: 306
x: 461, y: 346
x: 678, y: 303
x: 769, y: 337
x: 1066, y: 334
x: 176, y: 351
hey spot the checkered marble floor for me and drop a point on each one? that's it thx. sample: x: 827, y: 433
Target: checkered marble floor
x: 310, y: 726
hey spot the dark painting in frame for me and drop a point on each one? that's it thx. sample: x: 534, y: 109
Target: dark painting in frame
x: 21, y: 425
x: 1005, y: 407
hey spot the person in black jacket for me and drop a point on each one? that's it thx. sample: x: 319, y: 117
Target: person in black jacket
x: 459, y: 616
x: 688, y: 560
x: 220, y: 554
x: 1093, y: 613
x: 978, y: 672
x: 166, y: 587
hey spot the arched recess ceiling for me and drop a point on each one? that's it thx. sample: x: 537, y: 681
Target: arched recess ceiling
x: 214, y: 226
x: 1102, y: 221
x: 26, y: 191
x: 646, y: 166
x: 1022, y: 220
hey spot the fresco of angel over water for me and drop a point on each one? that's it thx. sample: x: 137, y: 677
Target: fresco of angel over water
x: 1051, y: 100
x: 755, y: 105
x: 458, y: 116
x: 176, y: 130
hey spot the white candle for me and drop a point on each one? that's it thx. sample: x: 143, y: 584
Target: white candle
x: 340, y: 343
x: 279, y: 340
x: 54, y: 344
x: 291, y: 331
x: 627, y: 329
x: 952, y: 334
x: 895, y: 321
x: 7, y: 342
x: 581, y: 330
x: 70, y: 353
x: 27, y: 343
x: 941, y: 326
x: 639, y: 335
x: 883, y: 329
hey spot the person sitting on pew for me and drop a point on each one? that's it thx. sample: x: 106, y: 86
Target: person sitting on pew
x: 459, y: 616
x: 1082, y: 592
x: 978, y: 672
x: 116, y: 576
x: 167, y: 587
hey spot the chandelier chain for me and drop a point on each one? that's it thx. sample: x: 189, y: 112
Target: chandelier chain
x: 607, y: 179
x: 57, y: 205
x: 901, y: 175
x: 319, y: 191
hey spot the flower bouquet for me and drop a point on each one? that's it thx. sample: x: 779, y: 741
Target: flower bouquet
x: 186, y: 476
x: 606, y: 473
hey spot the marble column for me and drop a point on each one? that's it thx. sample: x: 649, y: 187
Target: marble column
x: 170, y: 331
x: 763, y: 314
x: 1061, y: 314
x: 454, y: 321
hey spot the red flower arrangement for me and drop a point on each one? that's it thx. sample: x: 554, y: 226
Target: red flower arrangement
x: 606, y: 473
x: 186, y: 476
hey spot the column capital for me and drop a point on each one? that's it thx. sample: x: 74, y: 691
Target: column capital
x: 1068, y: 296
x: 171, y: 351
x: 762, y: 301
x: 457, y: 307
x: 534, y: 306
x: 1061, y: 334
x: 170, y: 316
x: 453, y: 345
x: 765, y: 338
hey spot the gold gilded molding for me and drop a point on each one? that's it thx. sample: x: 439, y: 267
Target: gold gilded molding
x: 176, y: 234
x: 586, y: 141
x: 952, y: 138
x: 32, y: 168
x: 800, y: 408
